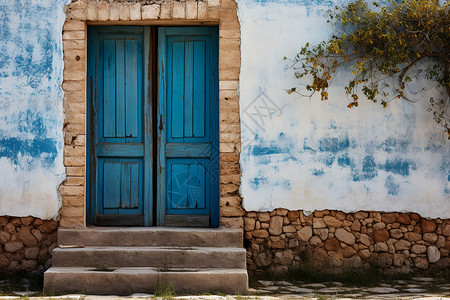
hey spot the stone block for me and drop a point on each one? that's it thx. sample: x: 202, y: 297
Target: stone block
x: 178, y: 10
x: 151, y: 12
x: 124, y: 11
x: 191, y: 10
x: 202, y: 10
x: 166, y: 10
x: 135, y: 12
x: 114, y: 11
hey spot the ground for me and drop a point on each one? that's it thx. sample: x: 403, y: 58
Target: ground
x: 411, y: 288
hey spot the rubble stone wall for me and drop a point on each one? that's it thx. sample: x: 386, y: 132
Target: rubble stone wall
x: 333, y: 241
x: 26, y: 244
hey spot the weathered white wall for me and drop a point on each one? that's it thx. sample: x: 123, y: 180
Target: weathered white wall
x: 31, y: 116
x: 307, y: 154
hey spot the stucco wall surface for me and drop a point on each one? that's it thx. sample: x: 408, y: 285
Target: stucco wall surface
x: 31, y: 115
x: 307, y: 154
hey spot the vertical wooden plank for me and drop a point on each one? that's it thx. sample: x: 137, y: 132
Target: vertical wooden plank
x: 215, y: 163
x: 148, y: 55
x: 135, y: 185
x: 111, y: 185
x: 120, y: 90
x: 109, y: 88
x: 199, y: 89
x: 91, y: 178
x: 163, y: 84
x: 177, y: 90
x: 125, y: 185
x: 188, y: 88
x: 131, y: 89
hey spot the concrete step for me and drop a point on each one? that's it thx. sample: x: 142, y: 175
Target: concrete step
x: 158, y: 257
x: 152, y: 237
x: 126, y: 281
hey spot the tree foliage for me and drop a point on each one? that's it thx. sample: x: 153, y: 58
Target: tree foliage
x: 381, y: 44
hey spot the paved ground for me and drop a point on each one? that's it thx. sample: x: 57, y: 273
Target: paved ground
x: 416, y: 288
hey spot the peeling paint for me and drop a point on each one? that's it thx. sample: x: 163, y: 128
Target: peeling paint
x: 31, y: 116
x: 366, y: 158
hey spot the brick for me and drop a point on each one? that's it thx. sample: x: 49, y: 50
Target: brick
x: 233, y: 179
x: 72, y: 222
x: 228, y: 189
x: 124, y: 11
x: 75, y: 108
x: 73, y: 201
x: 229, y: 168
x: 69, y: 190
x: 229, y: 33
x: 202, y: 10
x: 230, y: 200
x: 166, y: 11
x: 77, y: 96
x: 213, y: 3
x: 103, y: 11
x: 228, y: 84
x: 227, y: 147
x: 229, y: 74
x: 151, y: 12
x: 229, y: 105
x: 233, y: 44
x: 74, y: 35
x: 75, y: 55
x: 71, y: 161
x: 178, y: 10
x: 114, y: 11
x: 76, y: 13
x: 71, y: 25
x: 229, y: 211
x: 92, y: 11
x: 77, y: 4
x: 233, y: 138
x: 75, y: 171
x: 76, y: 118
x: 74, y: 151
x: 135, y: 11
x: 73, y: 65
x: 74, y: 45
x: 72, y: 212
x: 228, y: 94
x: 73, y: 74
x: 80, y: 140
x: 229, y: 117
x: 73, y: 85
x: 75, y: 129
x: 191, y: 10
x: 229, y: 128
x: 74, y: 181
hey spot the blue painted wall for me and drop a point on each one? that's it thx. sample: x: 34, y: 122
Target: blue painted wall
x: 31, y: 115
x: 298, y: 153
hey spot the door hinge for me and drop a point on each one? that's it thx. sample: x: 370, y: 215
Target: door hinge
x: 160, y: 122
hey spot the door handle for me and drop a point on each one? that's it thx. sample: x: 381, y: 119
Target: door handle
x: 160, y: 123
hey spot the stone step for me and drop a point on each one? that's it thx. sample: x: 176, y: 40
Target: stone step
x: 158, y: 257
x: 126, y: 281
x: 152, y: 236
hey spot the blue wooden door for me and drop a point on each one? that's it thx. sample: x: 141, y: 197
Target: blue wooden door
x: 120, y: 135
x: 188, y: 156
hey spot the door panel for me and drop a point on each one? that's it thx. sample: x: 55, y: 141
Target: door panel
x: 120, y: 136
x: 188, y: 117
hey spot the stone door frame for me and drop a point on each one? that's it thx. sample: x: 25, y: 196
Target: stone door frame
x: 79, y: 14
